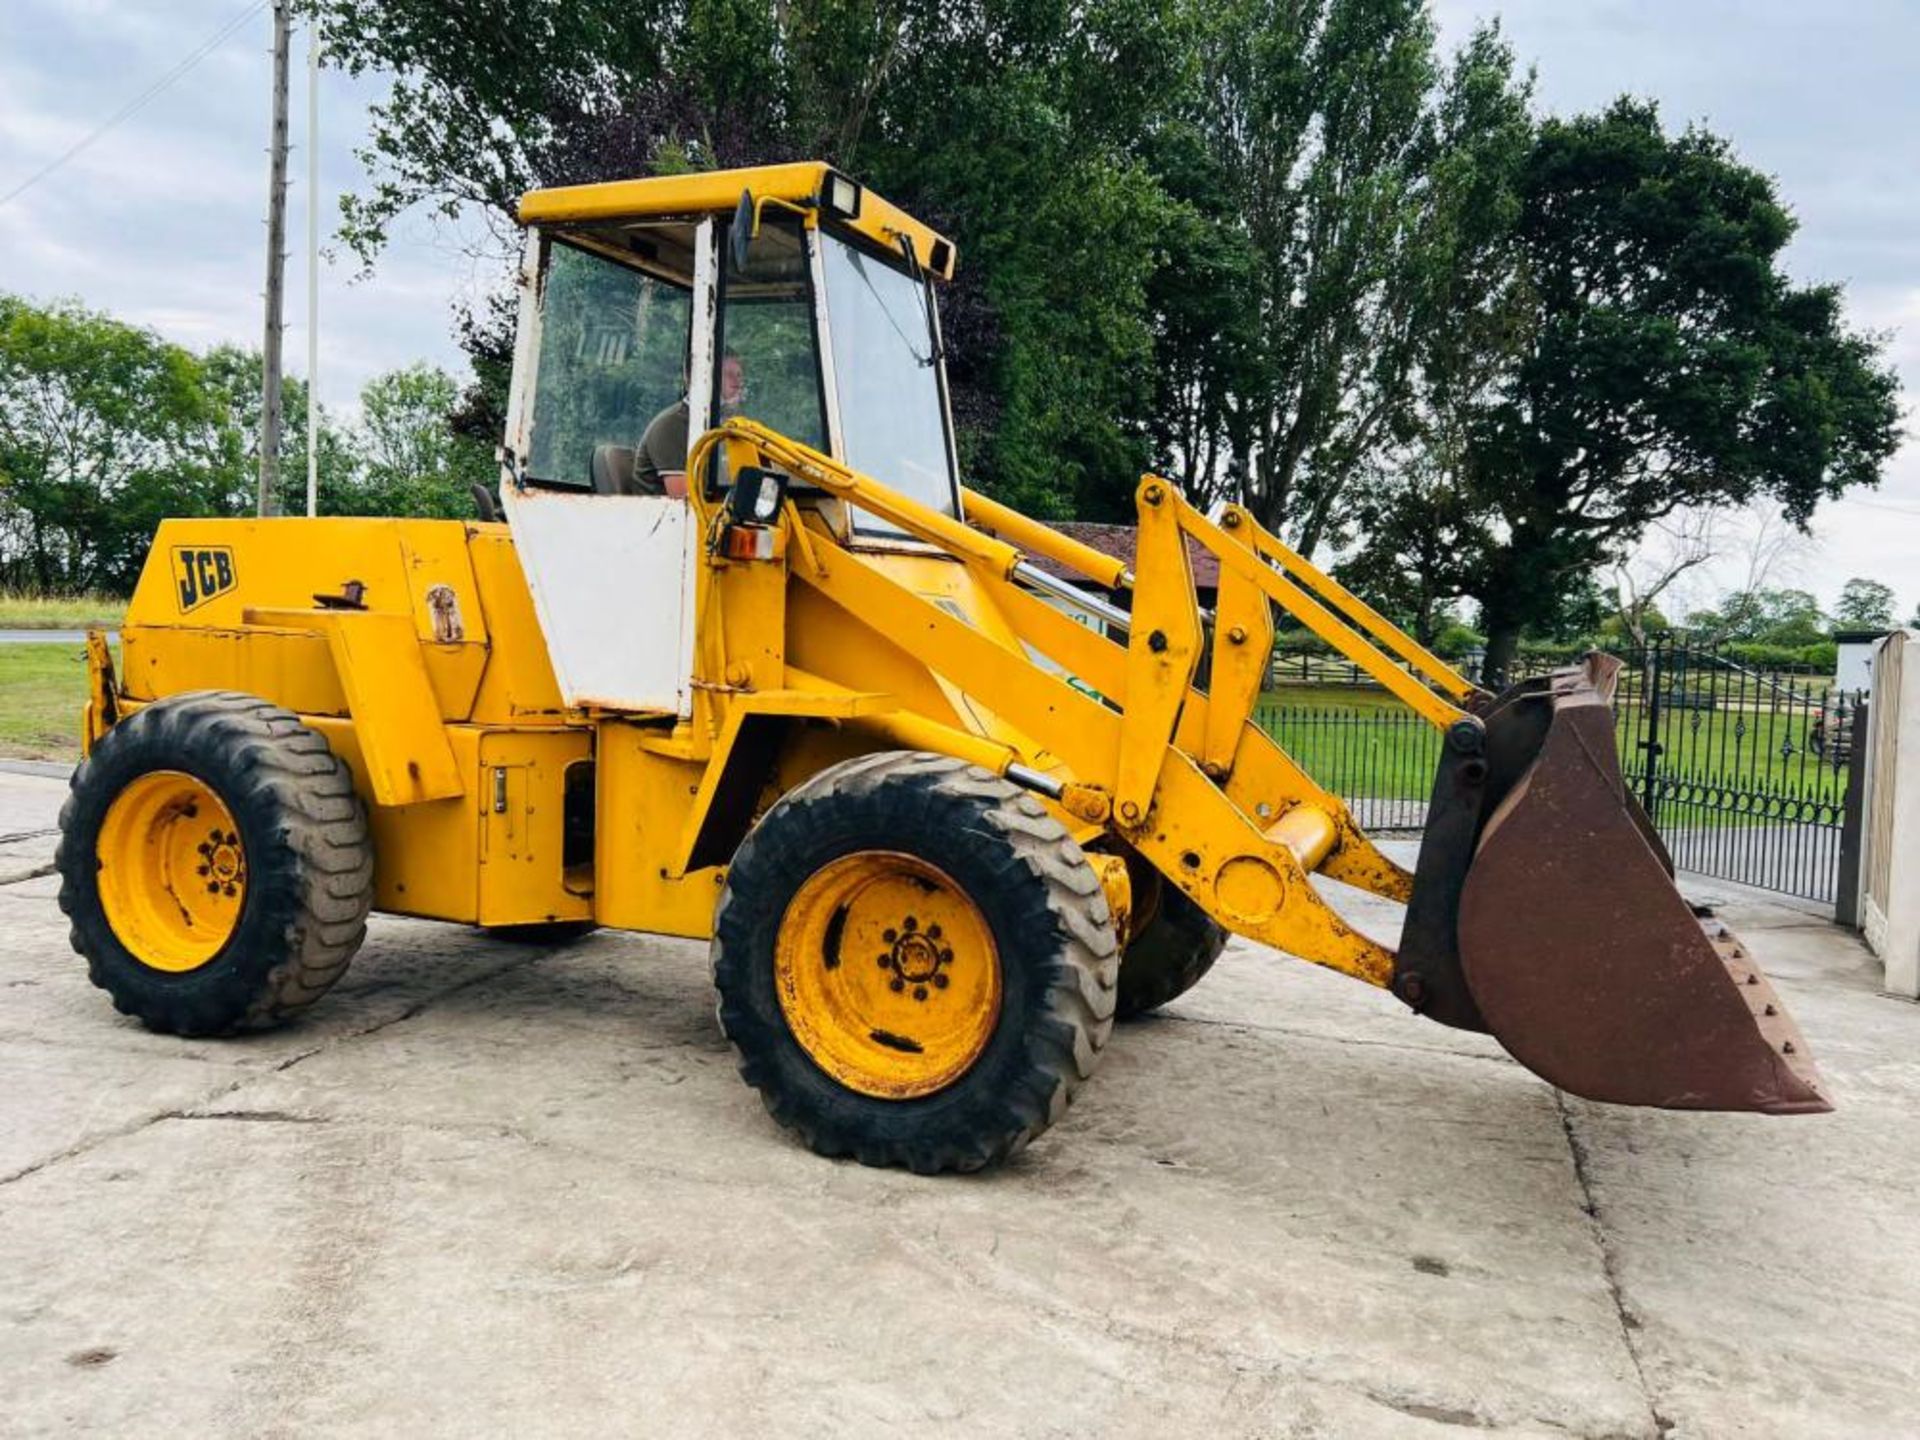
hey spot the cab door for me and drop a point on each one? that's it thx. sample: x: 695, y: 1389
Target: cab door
x: 607, y: 346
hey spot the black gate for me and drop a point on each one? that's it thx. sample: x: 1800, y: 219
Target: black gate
x: 1744, y: 771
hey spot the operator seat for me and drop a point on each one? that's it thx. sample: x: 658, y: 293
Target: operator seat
x: 613, y: 470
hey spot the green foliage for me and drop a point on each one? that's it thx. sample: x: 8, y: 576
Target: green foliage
x: 104, y: 429
x: 1656, y: 358
x: 235, y: 376
x: 1816, y: 657
x: 1014, y: 128
x: 1864, y: 605
x: 411, y: 460
x: 1313, y: 126
x: 1454, y: 641
x: 1782, y: 618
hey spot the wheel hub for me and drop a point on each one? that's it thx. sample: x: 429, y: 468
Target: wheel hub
x: 887, y: 974
x: 914, y: 957
x: 172, y: 870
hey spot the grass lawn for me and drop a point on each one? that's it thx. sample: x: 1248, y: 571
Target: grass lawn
x: 43, y: 689
x: 1360, y: 742
x: 75, y: 612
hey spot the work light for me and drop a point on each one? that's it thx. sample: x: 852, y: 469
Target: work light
x: 756, y: 495
x: 841, y: 195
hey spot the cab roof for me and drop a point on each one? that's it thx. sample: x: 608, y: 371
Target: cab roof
x: 803, y: 184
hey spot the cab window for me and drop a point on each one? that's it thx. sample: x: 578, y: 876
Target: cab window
x: 613, y: 346
x: 766, y: 361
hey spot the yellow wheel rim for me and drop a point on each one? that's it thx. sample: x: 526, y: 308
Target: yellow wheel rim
x: 887, y: 975
x: 173, y: 873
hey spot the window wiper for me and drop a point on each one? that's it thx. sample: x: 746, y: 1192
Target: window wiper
x: 937, y: 352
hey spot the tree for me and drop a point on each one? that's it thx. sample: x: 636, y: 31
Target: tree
x: 234, y: 375
x: 1667, y: 363
x: 1424, y: 529
x: 1676, y: 547
x: 412, y: 460
x: 1014, y: 128
x: 1766, y: 617
x: 105, y: 429
x: 1286, y: 314
x: 1865, y: 605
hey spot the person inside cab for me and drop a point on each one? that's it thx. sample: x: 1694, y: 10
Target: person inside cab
x: 660, y: 464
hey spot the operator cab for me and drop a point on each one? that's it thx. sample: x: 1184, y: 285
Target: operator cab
x: 653, y: 310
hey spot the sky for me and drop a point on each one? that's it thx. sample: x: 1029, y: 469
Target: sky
x: 161, y: 219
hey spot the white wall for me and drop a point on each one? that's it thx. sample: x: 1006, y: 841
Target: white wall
x: 1890, y: 866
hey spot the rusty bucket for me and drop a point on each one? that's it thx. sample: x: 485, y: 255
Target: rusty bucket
x: 1546, y: 913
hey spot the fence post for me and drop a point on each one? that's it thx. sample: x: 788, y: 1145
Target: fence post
x: 1651, y: 742
x: 1846, y: 900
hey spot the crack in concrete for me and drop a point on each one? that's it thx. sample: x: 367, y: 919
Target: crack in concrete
x: 39, y: 872
x: 265, y: 1117
x: 1333, y: 1039
x: 1609, y: 1270
x: 332, y: 1042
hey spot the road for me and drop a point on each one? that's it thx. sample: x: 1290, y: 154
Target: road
x: 489, y: 1189
x: 44, y: 637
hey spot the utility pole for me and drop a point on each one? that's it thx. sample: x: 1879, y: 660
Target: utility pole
x: 313, y: 264
x: 270, y: 406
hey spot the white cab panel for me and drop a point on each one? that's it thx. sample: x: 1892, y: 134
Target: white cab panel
x: 612, y: 581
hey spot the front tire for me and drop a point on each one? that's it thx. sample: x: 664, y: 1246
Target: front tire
x: 915, y: 963
x: 215, y: 864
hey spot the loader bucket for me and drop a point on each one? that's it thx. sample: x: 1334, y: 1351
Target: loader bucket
x: 1569, y: 941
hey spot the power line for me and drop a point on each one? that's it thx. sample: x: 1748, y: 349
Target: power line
x: 1892, y: 506
x: 139, y: 102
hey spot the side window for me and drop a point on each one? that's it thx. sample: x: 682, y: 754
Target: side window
x: 767, y: 363
x: 613, y: 345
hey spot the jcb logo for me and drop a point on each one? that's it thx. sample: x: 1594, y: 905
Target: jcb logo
x: 200, y: 573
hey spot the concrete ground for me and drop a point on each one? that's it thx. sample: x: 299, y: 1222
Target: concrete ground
x: 489, y: 1190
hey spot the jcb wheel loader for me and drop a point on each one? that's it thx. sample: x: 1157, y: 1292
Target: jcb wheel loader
x: 745, y: 662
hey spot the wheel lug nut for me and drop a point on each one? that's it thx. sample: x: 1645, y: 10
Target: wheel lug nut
x: 919, y: 992
x: 911, y: 923
x: 933, y: 932
x: 898, y: 984
x: 889, y: 935
x: 940, y: 982
x: 885, y: 961
x: 213, y: 887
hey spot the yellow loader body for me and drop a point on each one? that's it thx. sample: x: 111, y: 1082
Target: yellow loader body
x: 931, y: 805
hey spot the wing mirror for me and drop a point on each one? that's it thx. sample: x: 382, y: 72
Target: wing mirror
x: 740, y: 239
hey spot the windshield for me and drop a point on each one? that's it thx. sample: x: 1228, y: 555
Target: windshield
x: 612, y: 356
x: 767, y: 368
x: 886, y: 374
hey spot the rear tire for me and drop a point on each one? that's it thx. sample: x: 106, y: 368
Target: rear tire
x: 937, y: 1059
x: 1170, y: 956
x: 276, y: 818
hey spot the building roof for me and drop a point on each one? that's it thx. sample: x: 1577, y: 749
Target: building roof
x: 1120, y: 541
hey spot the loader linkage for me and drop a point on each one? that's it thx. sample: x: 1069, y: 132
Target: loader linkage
x: 1543, y: 907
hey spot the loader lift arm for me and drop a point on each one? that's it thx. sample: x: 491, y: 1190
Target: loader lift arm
x: 1528, y: 796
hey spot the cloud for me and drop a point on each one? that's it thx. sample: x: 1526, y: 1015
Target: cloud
x: 162, y: 220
